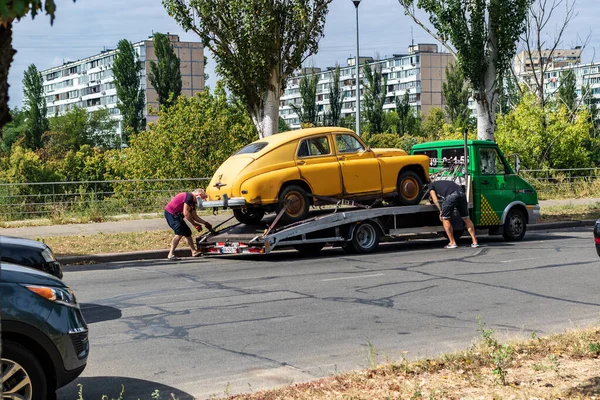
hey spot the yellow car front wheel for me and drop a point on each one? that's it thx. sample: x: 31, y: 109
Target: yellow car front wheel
x: 410, y: 188
x: 296, y: 203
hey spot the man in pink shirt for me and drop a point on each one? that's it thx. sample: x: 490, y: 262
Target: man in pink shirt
x: 180, y: 208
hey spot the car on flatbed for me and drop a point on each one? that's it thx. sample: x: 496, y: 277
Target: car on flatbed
x: 293, y: 170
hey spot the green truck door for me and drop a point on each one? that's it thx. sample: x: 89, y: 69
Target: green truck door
x: 495, y: 186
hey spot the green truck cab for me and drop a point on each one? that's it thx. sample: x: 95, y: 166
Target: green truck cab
x: 499, y: 199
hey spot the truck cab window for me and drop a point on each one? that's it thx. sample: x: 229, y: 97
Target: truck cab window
x: 490, y: 162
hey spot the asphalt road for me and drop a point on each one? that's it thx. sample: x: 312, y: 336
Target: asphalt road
x: 213, y: 326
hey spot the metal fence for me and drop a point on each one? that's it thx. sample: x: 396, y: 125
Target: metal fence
x: 93, y: 199
x: 98, y: 199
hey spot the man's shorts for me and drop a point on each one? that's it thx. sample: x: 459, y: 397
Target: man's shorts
x: 178, y: 225
x: 456, y: 200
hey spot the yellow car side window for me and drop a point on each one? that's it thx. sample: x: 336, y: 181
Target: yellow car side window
x: 314, y: 147
x: 348, y: 144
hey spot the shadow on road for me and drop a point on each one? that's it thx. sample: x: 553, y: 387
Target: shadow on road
x: 111, y: 386
x: 98, y: 313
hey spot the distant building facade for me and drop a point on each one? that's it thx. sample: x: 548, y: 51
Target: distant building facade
x: 89, y: 83
x: 420, y: 72
x: 526, y: 61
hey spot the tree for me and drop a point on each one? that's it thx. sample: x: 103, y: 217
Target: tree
x: 35, y: 107
x: 336, y: 99
x: 539, y: 48
x: 9, y: 11
x: 375, y: 90
x: 165, y: 76
x: 283, y: 126
x: 567, y: 91
x: 308, y: 112
x: 14, y: 131
x: 456, y: 93
x: 126, y: 69
x: 407, y: 122
x: 433, y: 126
x: 257, y: 45
x: 483, y: 36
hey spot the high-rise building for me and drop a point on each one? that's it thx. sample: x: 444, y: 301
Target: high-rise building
x: 526, y: 61
x: 89, y: 82
x: 420, y: 72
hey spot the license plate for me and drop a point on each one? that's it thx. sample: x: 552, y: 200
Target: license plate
x: 229, y: 250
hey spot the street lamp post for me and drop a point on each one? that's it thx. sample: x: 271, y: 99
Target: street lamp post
x: 357, y: 66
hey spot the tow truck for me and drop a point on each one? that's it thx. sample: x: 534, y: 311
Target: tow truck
x: 499, y: 200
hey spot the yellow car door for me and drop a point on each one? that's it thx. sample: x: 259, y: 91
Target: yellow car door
x: 318, y: 165
x: 361, y: 172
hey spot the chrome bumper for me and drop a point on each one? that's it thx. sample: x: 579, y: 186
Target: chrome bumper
x: 533, y: 214
x: 224, y: 203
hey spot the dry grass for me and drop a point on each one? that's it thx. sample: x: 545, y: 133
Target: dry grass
x: 563, y: 366
x: 570, y: 212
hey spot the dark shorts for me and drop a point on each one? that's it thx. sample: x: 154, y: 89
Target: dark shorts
x: 456, y: 200
x: 178, y: 225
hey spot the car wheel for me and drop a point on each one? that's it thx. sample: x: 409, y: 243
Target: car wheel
x: 410, y: 188
x: 514, y: 226
x: 365, y: 238
x: 296, y: 203
x: 249, y: 216
x: 309, y: 248
x: 22, y: 374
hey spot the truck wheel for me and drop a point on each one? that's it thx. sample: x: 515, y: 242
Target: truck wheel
x: 296, y: 203
x: 410, y: 188
x: 23, y: 376
x: 514, y: 226
x: 309, y: 248
x: 365, y: 238
x: 249, y: 216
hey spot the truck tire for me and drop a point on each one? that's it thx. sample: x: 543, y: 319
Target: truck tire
x: 26, y: 369
x: 515, y: 226
x: 410, y: 188
x: 309, y: 248
x: 295, y: 200
x: 365, y: 238
x: 249, y: 216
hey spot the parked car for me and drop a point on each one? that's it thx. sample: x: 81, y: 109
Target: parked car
x: 286, y: 170
x: 44, y: 336
x: 29, y: 253
x: 597, y: 236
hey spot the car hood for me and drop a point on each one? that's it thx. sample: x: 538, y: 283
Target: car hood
x: 389, y: 152
x: 13, y: 273
x: 223, y: 180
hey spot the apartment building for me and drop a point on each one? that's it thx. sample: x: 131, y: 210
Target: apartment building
x: 420, y: 72
x: 89, y: 82
x: 525, y: 62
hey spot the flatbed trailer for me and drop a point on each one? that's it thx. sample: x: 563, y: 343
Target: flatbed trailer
x: 356, y: 230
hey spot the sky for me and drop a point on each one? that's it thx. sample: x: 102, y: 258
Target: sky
x: 86, y: 27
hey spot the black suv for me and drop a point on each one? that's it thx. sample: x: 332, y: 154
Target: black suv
x: 44, y: 336
x: 29, y: 253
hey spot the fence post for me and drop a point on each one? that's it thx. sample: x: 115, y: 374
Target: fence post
x: 9, y: 204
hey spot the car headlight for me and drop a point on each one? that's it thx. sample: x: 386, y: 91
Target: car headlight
x: 64, y: 296
x: 48, y: 255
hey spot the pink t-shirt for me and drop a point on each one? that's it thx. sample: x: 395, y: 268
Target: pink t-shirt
x: 175, y: 206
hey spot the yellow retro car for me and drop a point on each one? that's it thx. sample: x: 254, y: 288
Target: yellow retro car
x: 297, y: 169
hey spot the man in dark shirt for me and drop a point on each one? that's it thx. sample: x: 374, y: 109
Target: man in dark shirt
x: 181, y: 207
x: 453, y: 198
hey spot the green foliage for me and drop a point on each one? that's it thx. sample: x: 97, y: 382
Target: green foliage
x: 308, y: 112
x: 257, y: 44
x: 283, y: 126
x: 336, y: 99
x: 546, y: 138
x: 510, y: 94
x: 14, y: 130
x: 500, y: 355
x: 375, y: 91
x: 456, y: 93
x: 190, y: 139
x: 567, y: 92
x: 35, y: 107
x: 391, y: 141
x: 433, y: 126
x: 165, y: 76
x: 17, y: 9
x: 407, y: 122
x: 126, y: 69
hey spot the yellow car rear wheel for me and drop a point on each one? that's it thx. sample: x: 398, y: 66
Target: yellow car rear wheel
x: 295, y: 200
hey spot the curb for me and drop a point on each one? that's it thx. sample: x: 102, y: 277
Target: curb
x: 162, y: 254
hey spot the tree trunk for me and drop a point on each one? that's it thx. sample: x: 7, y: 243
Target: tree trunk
x: 6, y: 58
x: 487, y: 95
x: 266, y: 119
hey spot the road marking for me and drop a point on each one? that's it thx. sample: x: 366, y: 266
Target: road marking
x: 519, y: 259
x: 350, y: 277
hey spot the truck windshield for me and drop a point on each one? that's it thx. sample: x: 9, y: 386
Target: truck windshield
x: 252, y: 148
